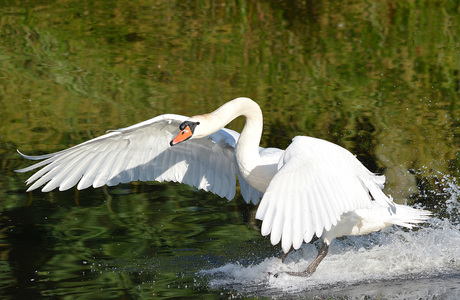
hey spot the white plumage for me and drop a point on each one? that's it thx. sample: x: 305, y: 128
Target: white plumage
x: 142, y: 152
x: 314, y: 187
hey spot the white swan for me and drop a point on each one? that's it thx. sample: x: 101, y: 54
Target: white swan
x: 314, y: 187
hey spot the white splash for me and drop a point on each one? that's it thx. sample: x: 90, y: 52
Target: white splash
x: 394, y: 254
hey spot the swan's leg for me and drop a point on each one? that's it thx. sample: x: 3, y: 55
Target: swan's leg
x: 322, y: 252
x: 284, y: 255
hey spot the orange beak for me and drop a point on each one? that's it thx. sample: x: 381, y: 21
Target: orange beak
x: 182, y: 136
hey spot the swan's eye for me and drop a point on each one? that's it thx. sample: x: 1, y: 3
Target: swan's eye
x: 190, y: 124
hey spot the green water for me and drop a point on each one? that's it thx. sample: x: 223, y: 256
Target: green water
x: 380, y: 78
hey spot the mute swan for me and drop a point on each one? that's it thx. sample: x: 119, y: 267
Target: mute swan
x: 314, y: 187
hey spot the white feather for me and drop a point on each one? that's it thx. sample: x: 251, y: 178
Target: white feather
x: 142, y: 152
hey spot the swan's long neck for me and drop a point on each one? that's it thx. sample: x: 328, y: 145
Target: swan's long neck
x: 247, y: 150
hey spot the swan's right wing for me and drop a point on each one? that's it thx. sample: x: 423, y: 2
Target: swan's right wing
x: 142, y: 152
x: 316, y: 183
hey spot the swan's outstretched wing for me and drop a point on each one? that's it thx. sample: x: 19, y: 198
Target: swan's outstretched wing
x: 316, y: 183
x: 142, y: 152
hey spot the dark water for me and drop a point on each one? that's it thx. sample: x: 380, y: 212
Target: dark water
x: 378, y: 78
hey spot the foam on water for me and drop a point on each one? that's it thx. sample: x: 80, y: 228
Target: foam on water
x: 391, y: 255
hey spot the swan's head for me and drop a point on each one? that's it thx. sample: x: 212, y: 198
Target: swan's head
x: 193, y: 128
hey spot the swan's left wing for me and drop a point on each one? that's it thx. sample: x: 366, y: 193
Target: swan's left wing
x: 141, y: 152
x: 316, y: 183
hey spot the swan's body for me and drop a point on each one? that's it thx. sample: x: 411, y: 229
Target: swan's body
x: 313, y: 187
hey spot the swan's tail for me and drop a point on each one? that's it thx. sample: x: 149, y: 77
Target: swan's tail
x: 407, y: 216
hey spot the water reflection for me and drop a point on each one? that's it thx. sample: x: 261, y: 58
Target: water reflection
x: 380, y: 79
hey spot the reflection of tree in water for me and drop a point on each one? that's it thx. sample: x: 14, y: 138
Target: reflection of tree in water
x: 379, y: 78
x: 129, y: 233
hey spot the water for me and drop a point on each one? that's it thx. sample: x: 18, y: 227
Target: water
x: 171, y: 247
x: 392, y: 262
x: 380, y: 78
